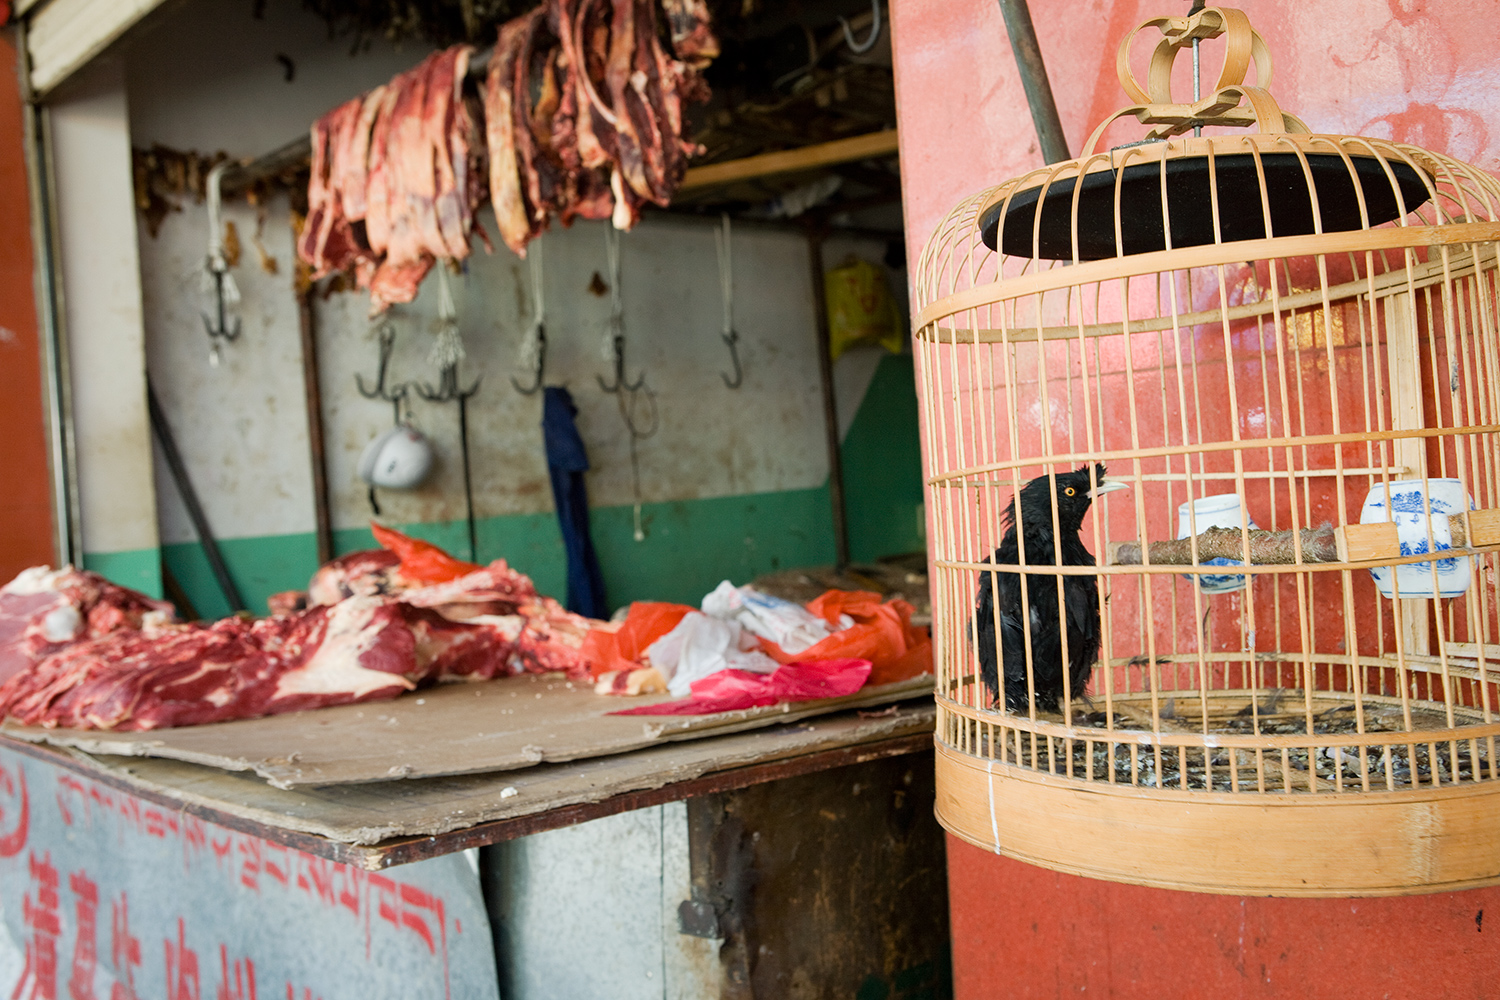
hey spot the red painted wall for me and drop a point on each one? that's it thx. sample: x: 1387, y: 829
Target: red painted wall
x: 25, y: 509
x: 1409, y: 70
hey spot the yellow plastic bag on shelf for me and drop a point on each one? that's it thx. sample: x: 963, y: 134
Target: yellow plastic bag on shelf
x: 861, y: 309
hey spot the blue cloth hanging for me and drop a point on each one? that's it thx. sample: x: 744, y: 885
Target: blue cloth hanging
x: 566, y: 463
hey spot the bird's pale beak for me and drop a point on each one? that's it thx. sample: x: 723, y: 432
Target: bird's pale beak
x: 1107, y: 486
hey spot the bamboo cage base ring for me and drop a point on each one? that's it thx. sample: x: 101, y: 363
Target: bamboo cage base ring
x: 1379, y: 844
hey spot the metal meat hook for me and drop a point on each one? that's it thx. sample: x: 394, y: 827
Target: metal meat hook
x: 731, y: 340
x: 620, y: 380
x: 447, y: 388
x: 393, y: 395
x: 539, y: 370
x: 221, y: 329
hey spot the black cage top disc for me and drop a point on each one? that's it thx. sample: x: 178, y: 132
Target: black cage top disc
x: 1242, y: 214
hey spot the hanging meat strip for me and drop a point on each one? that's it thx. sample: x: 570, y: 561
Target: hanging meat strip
x: 327, y: 243
x: 583, y: 117
x: 397, y: 176
x: 511, y: 215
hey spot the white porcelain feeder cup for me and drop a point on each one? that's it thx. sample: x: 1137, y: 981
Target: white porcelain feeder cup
x: 1219, y: 511
x: 1410, y: 502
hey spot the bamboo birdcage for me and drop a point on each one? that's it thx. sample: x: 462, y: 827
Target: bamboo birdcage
x: 1295, y: 322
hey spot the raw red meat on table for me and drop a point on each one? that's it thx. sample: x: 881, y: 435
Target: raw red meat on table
x: 43, y: 610
x: 373, y: 631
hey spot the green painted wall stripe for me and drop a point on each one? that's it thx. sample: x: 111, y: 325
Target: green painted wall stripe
x: 138, y: 569
x: 690, y: 546
x: 882, y: 460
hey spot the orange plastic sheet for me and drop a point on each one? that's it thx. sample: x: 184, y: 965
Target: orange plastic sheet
x: 882, y: 633
x: 421, y: 562
x: 623, y: 648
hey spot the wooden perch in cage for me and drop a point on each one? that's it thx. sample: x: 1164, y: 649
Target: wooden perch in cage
x: 1325, y: 544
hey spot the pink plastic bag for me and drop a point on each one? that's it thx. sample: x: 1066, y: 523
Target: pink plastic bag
x: 734, y: 690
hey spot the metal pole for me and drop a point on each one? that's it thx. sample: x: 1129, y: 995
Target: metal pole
x: 189, y: 495
x: 313, y: 392
x: 463, y: 438
x: 1049, y: 131
x: 830, y: 406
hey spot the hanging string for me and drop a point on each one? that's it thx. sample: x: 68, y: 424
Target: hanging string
x: 726, y: 272
x: 447, y: 347
x: 636, y: 401
x: 611, y: 347
x: 726, y: 289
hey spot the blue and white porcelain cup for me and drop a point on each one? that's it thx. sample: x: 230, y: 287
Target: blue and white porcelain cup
x: 1414, y: 504
x: 1219, y: 511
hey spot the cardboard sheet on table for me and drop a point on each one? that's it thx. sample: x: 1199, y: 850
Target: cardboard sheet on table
x: 451, y: 729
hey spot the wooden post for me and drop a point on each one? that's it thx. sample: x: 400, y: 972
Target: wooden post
x: 315, y: 440
x: 830, y: 406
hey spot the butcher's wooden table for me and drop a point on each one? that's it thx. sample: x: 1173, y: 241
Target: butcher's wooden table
x: 381, y: 824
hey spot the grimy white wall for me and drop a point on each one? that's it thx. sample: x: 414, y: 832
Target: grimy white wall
x: 101, y: 295
x: 204, y: 76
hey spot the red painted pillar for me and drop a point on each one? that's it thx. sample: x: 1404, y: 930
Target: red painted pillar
x: 25, y: 508
x: 1413, y: 72
x: 1022, y: 932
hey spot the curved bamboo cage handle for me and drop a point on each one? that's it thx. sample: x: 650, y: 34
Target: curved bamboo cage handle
x: 1215, y: 109
x: 1243, y: 45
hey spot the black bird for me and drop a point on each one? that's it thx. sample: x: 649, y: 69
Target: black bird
x: 1075, y: 492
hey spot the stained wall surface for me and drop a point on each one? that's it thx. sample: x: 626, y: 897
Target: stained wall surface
x: 1411, y: 72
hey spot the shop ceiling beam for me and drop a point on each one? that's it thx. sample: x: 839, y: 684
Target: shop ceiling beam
x: 870, y: 146
x: 63, y: 35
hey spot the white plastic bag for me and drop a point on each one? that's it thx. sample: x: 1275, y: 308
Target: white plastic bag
x: 790, y: 626
x: 701, y: 645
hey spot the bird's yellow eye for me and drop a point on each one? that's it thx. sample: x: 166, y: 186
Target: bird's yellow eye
x: 1070, y: 491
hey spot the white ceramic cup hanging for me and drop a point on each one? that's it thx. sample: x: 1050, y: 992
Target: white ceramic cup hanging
x: 1410, y: 503
x: 1219, y: 511
x: 399, y: 459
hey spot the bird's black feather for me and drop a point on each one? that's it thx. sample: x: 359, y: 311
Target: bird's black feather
x: 1002, y: 607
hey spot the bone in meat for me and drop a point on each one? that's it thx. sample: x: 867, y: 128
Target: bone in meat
x: 42, y: 610
x: 505, y: 181
x: 692, y: 38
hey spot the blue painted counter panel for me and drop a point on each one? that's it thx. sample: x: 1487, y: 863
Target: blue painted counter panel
x: 109, y: 896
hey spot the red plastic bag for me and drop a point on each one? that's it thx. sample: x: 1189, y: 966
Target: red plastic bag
x: 421, y: 562
x: 623, y: 647
x: 882, y: 633
x: 734, y: 690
